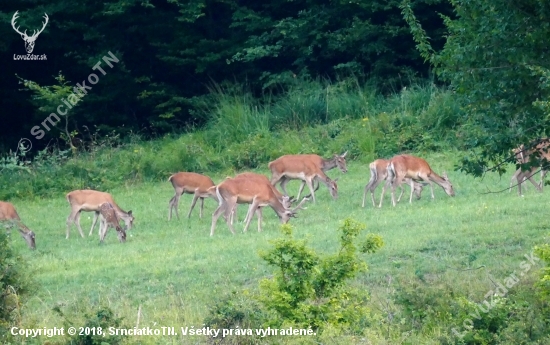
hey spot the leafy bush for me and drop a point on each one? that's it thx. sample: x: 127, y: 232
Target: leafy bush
x: 15, y: 284
x: 98, y: 323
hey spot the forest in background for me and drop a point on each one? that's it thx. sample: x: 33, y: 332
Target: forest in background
x: 173, y: 53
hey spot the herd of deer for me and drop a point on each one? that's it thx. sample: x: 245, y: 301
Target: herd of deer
x: 258, y: 191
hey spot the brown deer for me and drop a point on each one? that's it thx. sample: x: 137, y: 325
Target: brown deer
x: 301, y: 167
x: 8, y: 213
x: 88, y: 200
x: 524, y: 155
x: 379, y: 173
x: 325, y: 165
x: 285, y: 200
x: 108, y: 219
x: 255, y: 192
x: 189, y: 183
x: 415, y: 168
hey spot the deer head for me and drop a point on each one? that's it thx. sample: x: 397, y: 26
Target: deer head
x: 29, y: 40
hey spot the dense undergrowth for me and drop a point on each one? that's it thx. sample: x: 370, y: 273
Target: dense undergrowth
x: 244, y: 133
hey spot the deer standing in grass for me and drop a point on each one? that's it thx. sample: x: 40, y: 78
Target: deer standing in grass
x: 108, y: 219
x: 523, y: 156
x: 306, y: 168
x: 257, y: 193
x: 190, y: 183
x: 8, y: 213
x: 285, y: 200
x: 415, y: 168
x: 88, y: 200
x: 378, y: 174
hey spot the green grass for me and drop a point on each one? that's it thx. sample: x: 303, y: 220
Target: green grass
x: 174, y: 270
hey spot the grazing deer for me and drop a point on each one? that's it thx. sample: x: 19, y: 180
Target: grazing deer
x: 108, y: 219
x: 255, y: 192
x: 415, y: 168
x: 89, y: 201
x: 324, y: 164
x: 523, y: 156
x: 285, y: 200
x: 301, y: 167
x: 379, y: 173
x: 8, y: 213
x: 190, y: 183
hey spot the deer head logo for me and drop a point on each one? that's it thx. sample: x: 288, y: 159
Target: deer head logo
x: 29, y: 40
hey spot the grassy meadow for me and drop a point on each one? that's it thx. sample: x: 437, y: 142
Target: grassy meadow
x: 173, y: 271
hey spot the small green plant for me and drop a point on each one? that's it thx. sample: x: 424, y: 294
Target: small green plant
x: 310, y: 290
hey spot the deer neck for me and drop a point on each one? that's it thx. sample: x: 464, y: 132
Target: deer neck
x: 327, y: 164
x: 439, y: 180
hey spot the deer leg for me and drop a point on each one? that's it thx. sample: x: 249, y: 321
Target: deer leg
x: 386, y: 185
x: 202, y: 207
x: 394, y: 183
x: 217, y: 213
x: 537, y: 185
x: 302, y: 185
x: 170, y: 206
x: 309, y: 182
x: 250, y: 213
x: 259, y: 215
x: 412, y: 190
x: 174, y: 203
x: 284, y: 181
x: 102, y: 230
x: 77, y: 221
x: 431, y: 185
x: 276, y: 178
x: 230, y: 210
x: 70, y: 221
x: 401, y: 194
x: 96, y: 215
x: 193, y: 203
x: 514, y: 177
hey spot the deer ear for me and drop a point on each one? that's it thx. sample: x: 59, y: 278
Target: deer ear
x: 129, y: 213
x: 444, y: 175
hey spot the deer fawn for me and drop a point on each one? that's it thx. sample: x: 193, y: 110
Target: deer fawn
x: 89, y: 201
x: 108, y: 219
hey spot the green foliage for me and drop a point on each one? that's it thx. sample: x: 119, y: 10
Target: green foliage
x: 309, y: 290
x: 169, y: 51
x: 15, y: 284
x: 96, y: 324
x: 543, y: 252
x: 495, y: 59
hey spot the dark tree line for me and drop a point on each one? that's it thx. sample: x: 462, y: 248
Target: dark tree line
x: 170, y: 51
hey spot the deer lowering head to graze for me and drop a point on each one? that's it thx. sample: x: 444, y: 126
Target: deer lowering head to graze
x: 379, y: 173
x: 189, y: 183
x: 337, y: 161
x: 301, y: 167
x: 88, y: 200
x: 108, y: 219
x: 285, y: 200
x: 8, y: 213
x: 537, y: 150
x: 244, y: 191
x: 417, y: 169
